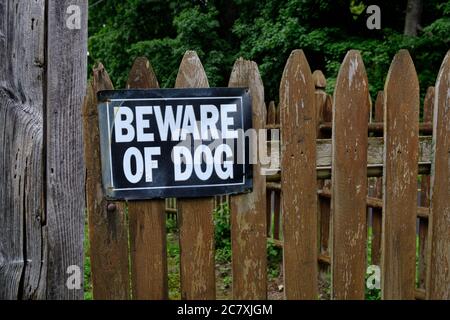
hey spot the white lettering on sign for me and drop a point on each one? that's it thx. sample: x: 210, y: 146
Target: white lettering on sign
x: 210, y: 117
x: 150, y: 163
x: 201, y: 153
x: 228, y: 121
x: 142, y: 163
x: 142, y: 124
x: 177, y: 123
x: 182, y: 155
x: 123, y: 117
x: 133, y: 153
x: 170, y: 122
x: 227, y: 171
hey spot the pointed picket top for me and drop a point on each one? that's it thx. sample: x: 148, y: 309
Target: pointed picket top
x: 296, y: 82
x: 439, y: 274
x: 88, y: 108
x: 349, y: 178
x: 319, y: 79
x: 245, y: 73
x: 428, y: 105
x: 327, y: 112
x: 379, y: 109
x: 248, y: 210
x: 142, y: 75
x: 352, y: 75
x: 102, y: 81
x: 401, y: 136
x: 191, y: 73
x: 271, y: 113
x: 298, y: 156
x: 402, y: 71
x: 148, y: 258
x: 196, y: 224
x: 109, y: 237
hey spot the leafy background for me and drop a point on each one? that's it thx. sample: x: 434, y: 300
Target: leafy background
x: 265, y: 31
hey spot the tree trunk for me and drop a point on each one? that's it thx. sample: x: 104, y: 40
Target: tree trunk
x: 412, y: 20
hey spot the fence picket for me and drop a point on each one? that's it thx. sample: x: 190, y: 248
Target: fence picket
x: 147, y: 219
x: 248, y: 219
x: 349, y: 178
x: 439, y: 272
x: 107, y: 221
x: 323, y: 109
x: 377, y: 213
x: 277, y: 196
x: 425, y: 198
x: 23, y: 236
x: 196, y: 215
x: 401, y: 136
x: 320, y: 84
x: 271, y: 120
x: 299, y: 196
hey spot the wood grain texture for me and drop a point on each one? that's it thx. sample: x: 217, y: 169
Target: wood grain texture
x: 196, y: 215
x: 298, y: 178
x: 323, y: 205
x: 142, y: 75
x: 147, y: 219
x: 248, y: 221
x: 349, y: 179
x: 428, y: 107
x: 424, y: 245
x: 439, y: 272
x: 23, y: 238
x: 401, y: 135
x: 320, y: 82
x: 271, y: 120
x: 107, y: 228
x: 375, y: 152
x: 66, y: 85
x: 271, y: 113
x: 277, y: 193
x: 377, y: 213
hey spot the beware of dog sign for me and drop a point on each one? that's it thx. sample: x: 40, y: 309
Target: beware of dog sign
x: 174, y: 142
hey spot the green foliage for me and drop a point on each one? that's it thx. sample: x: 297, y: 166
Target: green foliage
x: 265, y: 31
x: 171, y: 225
x: 173, y: 262
x: 372, y: 294
x: 222, y: 233
x: 87, y: 265
x: 274, y: 259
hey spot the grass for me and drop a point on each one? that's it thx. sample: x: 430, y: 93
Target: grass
x: 173, y: 262
x: 223, y: 259
x: 87, y: 265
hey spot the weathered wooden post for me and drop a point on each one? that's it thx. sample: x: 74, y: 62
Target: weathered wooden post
x: 401, y: 144
x: 299, y: 197
x: 349, y: 178
x: 196, y: 222
x: 42, y: 83
x: 438, y: 286
x: 248, y: 221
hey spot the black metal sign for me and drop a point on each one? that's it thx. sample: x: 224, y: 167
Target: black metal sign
x: 174, y: 142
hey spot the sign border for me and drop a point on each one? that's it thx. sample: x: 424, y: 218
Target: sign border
x: 139, y: 193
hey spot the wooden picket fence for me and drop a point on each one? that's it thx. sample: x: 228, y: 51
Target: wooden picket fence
x: 373, y: 160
